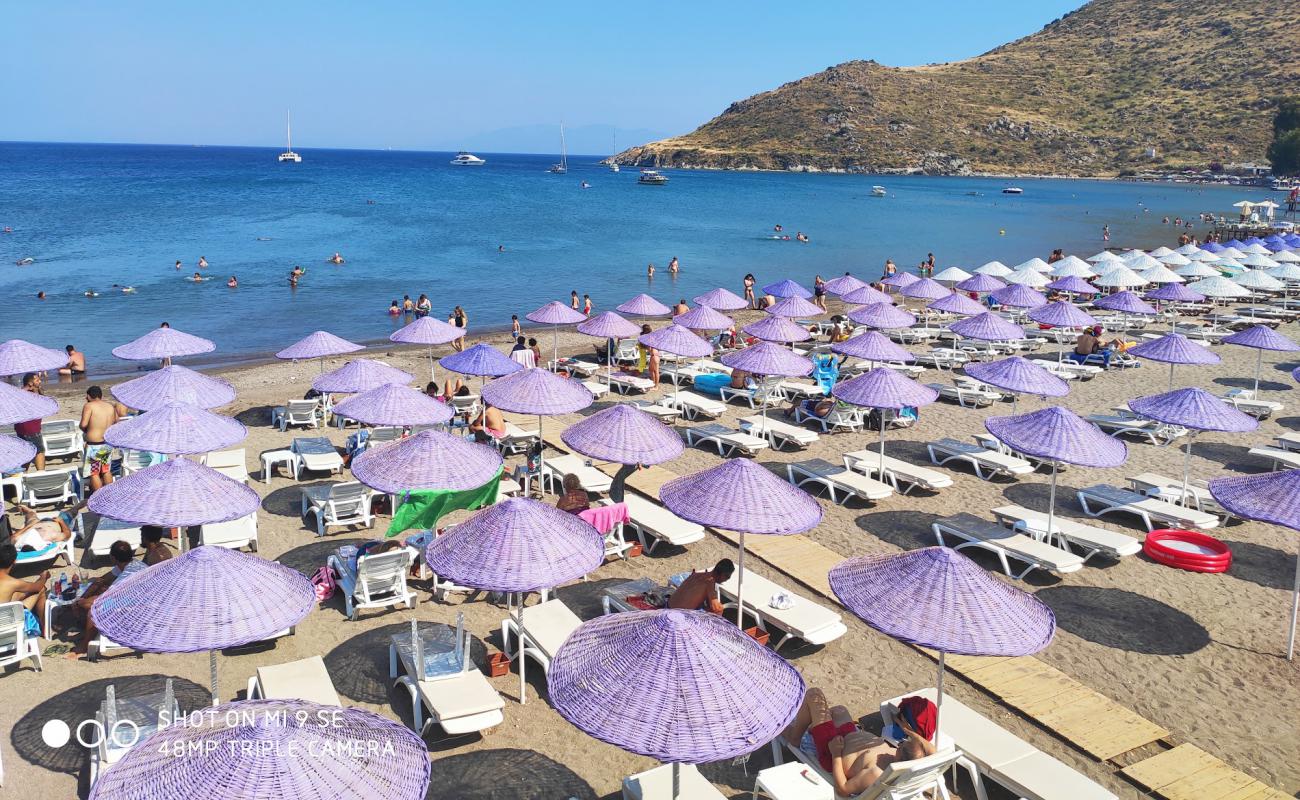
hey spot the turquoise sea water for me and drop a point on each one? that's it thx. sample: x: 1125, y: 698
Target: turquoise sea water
x: 96, y: 215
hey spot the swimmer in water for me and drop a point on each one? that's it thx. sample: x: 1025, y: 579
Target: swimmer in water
x: 197, y: 278
x: 178, y: 263
x: 501, y: 248
x: 22, y: 262
x: 293, y: 280
x: 650, y: 270
x: 233, y: 283
x: 801, y: 237
x: 40, y: 295
x: 203, y: 262
x: 91, y: 293
x: 336, y: 259
x: 7, y: 229
x: 297, y: 271
x: 673, y: 266
x: 586, y: 185
x: 395, y: 309
x: 777, y: 227
x: 124, y: 289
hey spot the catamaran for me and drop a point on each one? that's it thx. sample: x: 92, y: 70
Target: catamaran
x: 563, y: 166
x: 288, y: 154
x: 611, y: 163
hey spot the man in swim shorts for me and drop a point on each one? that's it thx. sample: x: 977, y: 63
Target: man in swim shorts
x: 76, y: 362
x: 96, y: 417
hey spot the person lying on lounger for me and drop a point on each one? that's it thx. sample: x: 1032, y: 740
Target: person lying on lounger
x: 699, y: 592
x: 854, y: 758
x: 37, y: 533
x: 818, y: 407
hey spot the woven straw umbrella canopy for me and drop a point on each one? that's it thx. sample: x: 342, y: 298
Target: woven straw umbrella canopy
x: 1060, y: 314
x: 174, y: 384
x: 768, y: 358
x: 1174, y: 349
x: 1030, y: 278
x: 956, y: 303
x: 742, y: 496
x: 643, y: 305
x: 537, y: 391
x: 866, y: 295
x: 1103, y: 257
x: 1286, y: 257
x: 988, y: 327
x: 18, y: 356
x: 937, y: 598
x: 17, y: 405
x: 201, y: 600
x: 15, y: 452
x: 1072, y: 266
x: 318, y: 345
x: 273, y: 748
x: 925, y: 289
x: 1258, y: 279
x: 1219, y: 288
x: 721, y: 300
x: 1160, y: 251
x: 882, y: 316
x: 884, y: 389
x: 1174, y: 293
x: 795, y: 306
x: 482, y: 359
x: 1036, y: 264
x: 1262, y: 338
x: 175, y: 494
x: 1072, y: 285
x: 609, y: 325
x: 1139, y: 261
x: 777, y: 329
x: 1161, y: 274
x: 1057, y: 435
x: 844, y: 284
x: 556, y: 314
x: 428, y: 331
x: 952, y: 275
x: 1272, y: 497
x: 1018, y: 296
x: 677, y: 686
x: 517, y: 546
x: 1197, y: 410
x: 1125, y: 302
x: 900, y: 280
x: 427, y: 461
x: 980, y: 283
x: 360, y: 375
x: 677, y: 340
x: 703, y: 318
x: 1018, y: 375
x: 623, y: 434
x: 787, y: 288
x: 392, y: 404
x: 163, y: 343
x: 1195, y: 270
x: 872, y: 346
x: 1120, y: 277
x: 176, y: 429
x: 995, y: 269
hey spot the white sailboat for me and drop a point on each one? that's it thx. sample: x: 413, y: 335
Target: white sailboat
x: 562, y: 167
x: 613, y: 165
x: 288, y: 154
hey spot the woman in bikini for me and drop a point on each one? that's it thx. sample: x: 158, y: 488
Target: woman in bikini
x: 749, y: 290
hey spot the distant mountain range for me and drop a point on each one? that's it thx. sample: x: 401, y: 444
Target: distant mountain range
x: 546, y: 139
x: 1115, y: 85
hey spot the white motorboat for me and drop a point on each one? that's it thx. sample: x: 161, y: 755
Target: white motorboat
x: 877, y: 191
x: 652, y: 178
x: 1013, y: 190
x: 464, y: 159
x: 562, y: 167
x: 288, y: 154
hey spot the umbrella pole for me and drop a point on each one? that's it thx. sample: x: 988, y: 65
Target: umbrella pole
x: 555, y: 352
x: 677, y: 779
x: 1051, y: 507
x: 523, y: 696
x: 1171, y: 377
x: 740, y: 585
x: 433, y: 369
x: 1259, y: 364
x: 1295, y: 608
x: 212, y: 675
x: 1187, y: 467
x: 938, y: 704
x: 882, y: 445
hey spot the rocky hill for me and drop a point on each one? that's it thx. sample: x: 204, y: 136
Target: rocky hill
x: 1089, y: 94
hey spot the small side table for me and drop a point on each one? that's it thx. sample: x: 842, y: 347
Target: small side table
x: 272, y: 457
x: 792, y: 781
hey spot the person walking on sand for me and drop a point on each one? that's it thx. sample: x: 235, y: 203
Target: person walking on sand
x: 461, y: 320
x: 515, y: 329
x: 819, y: 292
x: 586, y: 304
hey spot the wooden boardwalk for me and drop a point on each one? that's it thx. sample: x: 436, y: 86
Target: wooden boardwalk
x: 1189, y: 773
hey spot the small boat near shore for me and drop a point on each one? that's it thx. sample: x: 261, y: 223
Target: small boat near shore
x: 877, y: 191
x: 1013, y: 190
x: 562, y: 167
x: 651, y: 177
x: 464, y: 159
x: 288, y: 154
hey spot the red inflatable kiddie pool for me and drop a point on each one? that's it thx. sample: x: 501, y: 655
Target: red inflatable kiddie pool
x: 1188, y: 550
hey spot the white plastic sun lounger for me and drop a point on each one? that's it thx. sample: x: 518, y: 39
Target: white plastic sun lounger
x: 555, y: 468
x: 1084, y: 372
x: 338, y: 504
x: 842, y: 416
x: 316, y: 454
x: 1198, y: 494
x: 1157, y: 433
x: 659, y: 411
x: 1091, y: 539
x: 840, y: 482
x: 895, y: 470
x: 764, y: 394
x: 657, y: 784
x: 1282, y: 459
x: 776, y: 432
x: 1288, y: 441
x: 1101, y: 499
x: 654, y: 524
x: 792, y: 389
x: 624, y: 382
x: 694, y: 405
x: 234, y: 534
x: 517, y: 439
x: 548, y: 625
x: 378, y: 582
x: 304, y: 679
x: 912, y: 371
x: 1006, y: 543
x: 944, y: 358
x: 459, y: 697
x: 231, y: 463
x: 806, y: 620
x: 986, y: 463
x: 727, y: 441
x: 902, y: 780
x: 1245, y: 401
x: 966, y: 397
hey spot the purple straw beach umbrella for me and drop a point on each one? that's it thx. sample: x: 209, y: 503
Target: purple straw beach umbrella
x: 208, y: 598
x: 537, y: 391
x: 609, y: 325
x: 556, y: 314
x: 882, y: 316
x: 1272, y: 497
x: 318, y: 345
x: 925, y: 289
x: 1172, y: 293
x: 844, y: 284
x: 872, y: 346
x: 427, y: 461
x: 988, y: 327
x: 482, y: 359
x: 787, y: 288
x: 1018, y: 375
x: 677, y: 340
x: 623, y: 434
x: 777, y: 329
x: 900, y: 280
x: 17, y: 357
x: 1174, y: 349
x: 17, y: 405
x: 1018, y: 296
x: 273, y: 748
x: 428, y: 331
x: 643, y: 305
x: 360, y: 375
x: 768, y: 358
x: 396, y: 405
x: 517, y: 546
x: 939, y: 599
x: 1125, y: 302
x: 981, y: 284
x: 1060, y: 314
x: 1073, y: 286
x: 175, y: 494
x: 796, y: 306
x: 884, y: 389
x: 175, y: 429
x: 174, y: 384
x: 15, y: 452
x: 721, y: 300
x: 1196, y: 410
x: 1057, y: 435
x: 742, y: 496
x: 163, y: 343
x: 703, y: 318
x: 677, y: 686
x: 866, y: 295
x: 957, y: 303
x: 1261, y: 338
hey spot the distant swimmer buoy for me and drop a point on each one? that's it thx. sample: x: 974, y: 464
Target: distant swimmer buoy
x: 1002, y: 231
x: 22, y: 262
x: 264, y: 238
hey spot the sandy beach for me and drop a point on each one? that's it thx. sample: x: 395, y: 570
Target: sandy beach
x: 1200, y: 655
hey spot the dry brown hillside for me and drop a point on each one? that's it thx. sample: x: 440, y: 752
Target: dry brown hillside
x: 1086, y: 95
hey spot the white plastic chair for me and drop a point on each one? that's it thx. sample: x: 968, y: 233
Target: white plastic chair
x: 15, y: 645
x: 338, y: 504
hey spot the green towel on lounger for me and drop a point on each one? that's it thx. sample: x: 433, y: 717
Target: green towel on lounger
x: 421, y: 510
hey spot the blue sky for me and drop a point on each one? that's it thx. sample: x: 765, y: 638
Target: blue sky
x: 437, y: 75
